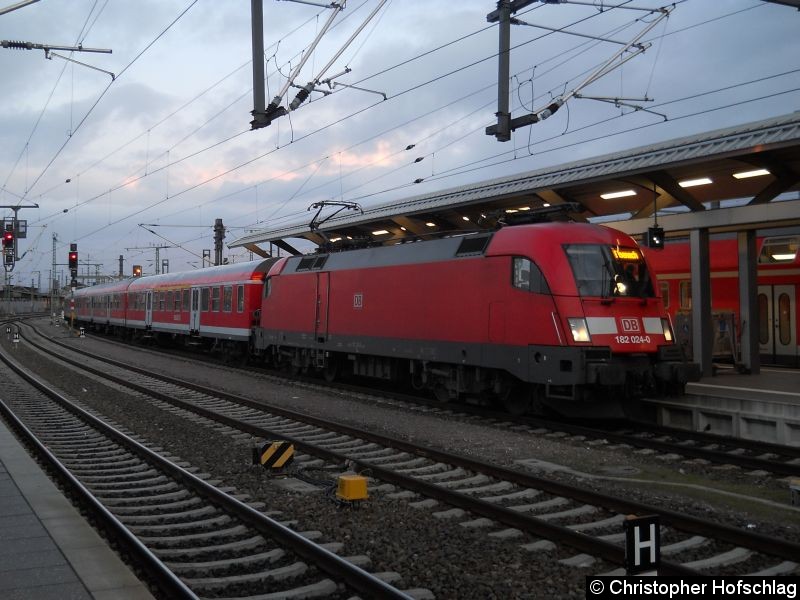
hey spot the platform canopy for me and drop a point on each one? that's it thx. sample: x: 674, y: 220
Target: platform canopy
x: 752, y: 164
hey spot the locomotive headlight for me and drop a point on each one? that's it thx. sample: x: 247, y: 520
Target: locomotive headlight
x: 580, y: 332
x: 667, y: 329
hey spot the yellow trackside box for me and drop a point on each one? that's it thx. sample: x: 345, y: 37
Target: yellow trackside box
x: 352, y: 487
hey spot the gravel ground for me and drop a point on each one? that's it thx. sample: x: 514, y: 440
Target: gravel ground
x: 429, y: 552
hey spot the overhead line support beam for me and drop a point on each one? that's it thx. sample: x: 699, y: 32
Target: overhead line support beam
x: 259, y: 112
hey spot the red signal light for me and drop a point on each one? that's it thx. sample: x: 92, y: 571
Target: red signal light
x: 8, y: 238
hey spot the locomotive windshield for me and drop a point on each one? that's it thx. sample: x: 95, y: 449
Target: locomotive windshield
x: 609, y: 271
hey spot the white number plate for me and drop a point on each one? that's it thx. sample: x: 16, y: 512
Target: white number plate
x: 632, y: 339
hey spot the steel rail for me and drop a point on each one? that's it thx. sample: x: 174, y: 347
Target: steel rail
x: 716, y: 456
x: 764, y: 544
x: 326, y: 560
x: 165, y: 579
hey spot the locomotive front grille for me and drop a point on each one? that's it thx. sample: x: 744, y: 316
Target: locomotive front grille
x: 597, y: 354
x: 671, y: 353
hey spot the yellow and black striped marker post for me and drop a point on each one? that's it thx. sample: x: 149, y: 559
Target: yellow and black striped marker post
x: 275, y: 455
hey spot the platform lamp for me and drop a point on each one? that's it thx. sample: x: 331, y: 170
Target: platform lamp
x: 655, y: 234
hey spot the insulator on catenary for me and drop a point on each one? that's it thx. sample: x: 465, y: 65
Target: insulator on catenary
x: 14, y: 45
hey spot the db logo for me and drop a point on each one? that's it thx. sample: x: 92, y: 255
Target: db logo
x: 630, y: 325
x: 358, y: 300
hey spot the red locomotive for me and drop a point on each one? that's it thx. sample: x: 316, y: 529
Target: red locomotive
x: 563, y: 315
x: 778, y: 288
x: 546, y: 314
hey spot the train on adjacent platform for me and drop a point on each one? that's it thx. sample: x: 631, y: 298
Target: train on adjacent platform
x: 778, y: 279
x: 564, y: 316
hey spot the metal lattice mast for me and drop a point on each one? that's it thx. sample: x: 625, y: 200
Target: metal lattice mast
x: 53, y: 276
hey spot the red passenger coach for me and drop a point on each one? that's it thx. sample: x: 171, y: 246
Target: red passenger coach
x: 215, y: 303
x: 558, y: 314
x: 103, y: 306
x: 778, y: 275
x: 215, y: 306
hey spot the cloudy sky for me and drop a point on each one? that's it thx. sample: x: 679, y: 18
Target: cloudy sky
x: 154, y: 156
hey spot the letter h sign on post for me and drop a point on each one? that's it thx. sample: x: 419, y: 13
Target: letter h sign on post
x: 642, y: 544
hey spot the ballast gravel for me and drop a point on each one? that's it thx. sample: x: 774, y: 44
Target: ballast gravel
x: 429, y: 552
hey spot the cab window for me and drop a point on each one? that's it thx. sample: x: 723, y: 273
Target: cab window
x: 525, y: 275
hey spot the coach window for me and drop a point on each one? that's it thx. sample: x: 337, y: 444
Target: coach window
x: 525, y: 275
x: 170, y: 301
x: 162, y: 301
x: 204, y: 295
x: 186, y: 300
x: 240, y: 298
x: 686, y: 295
x: 763, y: 319
x: 664, y: 286
x: 784, y: 319
x: 227, y: 298
x: 215, y: 299
x: 177, y: 305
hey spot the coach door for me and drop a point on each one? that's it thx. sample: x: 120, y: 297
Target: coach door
x: 194, y: 311
x: 323, y: 295
x: 148, y: 309
x: 777, y: 314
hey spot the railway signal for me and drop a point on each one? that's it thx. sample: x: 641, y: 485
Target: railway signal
x: 73, y: 260
x: 9, y: 248
x: 655, y: 238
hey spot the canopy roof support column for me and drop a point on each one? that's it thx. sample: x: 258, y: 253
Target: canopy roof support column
x: 702, y: 331
x: 748, y: 301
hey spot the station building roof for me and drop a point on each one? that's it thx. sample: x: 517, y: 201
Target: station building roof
x: 654, y: 177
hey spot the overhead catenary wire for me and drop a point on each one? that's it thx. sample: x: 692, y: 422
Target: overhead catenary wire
x: 483, y: 29
x: 462, y: 38
x: 85, y: 29
x: 217, y: 176
x: 186, y: 104
x: 103, y: 93
x: 497, y: 159
x: 299, y: 138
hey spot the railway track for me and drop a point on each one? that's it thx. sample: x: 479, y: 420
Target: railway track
x: 678, y: 444
x: 508, y: 503
x: 192, y: 539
